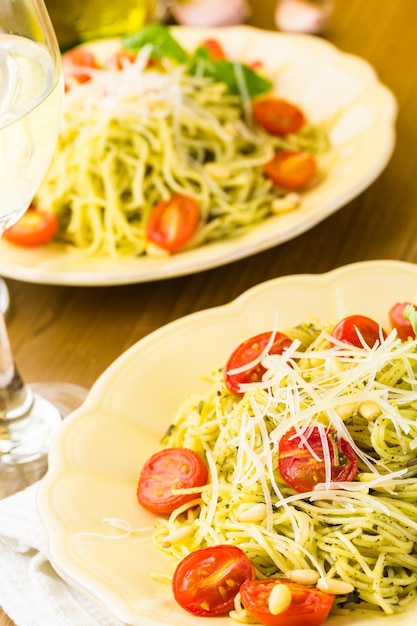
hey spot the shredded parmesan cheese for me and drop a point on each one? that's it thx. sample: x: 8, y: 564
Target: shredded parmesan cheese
x: 361, y: 533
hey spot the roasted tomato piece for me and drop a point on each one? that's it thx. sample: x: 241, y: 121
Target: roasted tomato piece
x: 123, y: 57
x: 247, y: 352
x: 291, y: 169
x: 308, y: 606
x: 402, y: 325
x: 34, y: 228
x: 172, y: 222
x: 206, y: 581
x: 301, y: 461
x: 215, y: 49
x: 352, y: 327
x: 165, y: 471
x: 278, y: 116
x: 76, y: 64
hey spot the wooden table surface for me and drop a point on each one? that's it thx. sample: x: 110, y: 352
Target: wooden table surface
x: 73, y: 334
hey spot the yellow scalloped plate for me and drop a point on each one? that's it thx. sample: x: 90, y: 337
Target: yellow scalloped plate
x: 310, y: 71
x: 98, y: 452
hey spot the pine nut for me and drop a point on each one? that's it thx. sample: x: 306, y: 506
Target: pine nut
x: 177, y: 535
x: 155, y: 251
x: 346, y: 410
x: 287, y: 203
x: 387, y: 486
x: 334, y: 587
x: 315, y: 362
x: 218, y: 170
x: 230, y: 129
x: 335, y: 366
x: 366, y: 477
x: 369, y: 409
x: 255, y: 513
x: 303, y: 576
x: 279, y: 599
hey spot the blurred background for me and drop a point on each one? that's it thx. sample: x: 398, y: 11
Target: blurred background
x: 82, y: 20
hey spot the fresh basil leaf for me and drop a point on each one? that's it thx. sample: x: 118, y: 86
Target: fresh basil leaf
x: 164, y: 45
x: 229, y: 72
x: 410, y: 314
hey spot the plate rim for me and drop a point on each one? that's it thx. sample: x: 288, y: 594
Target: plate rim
x: 234, y: 308
x: 43, y: 265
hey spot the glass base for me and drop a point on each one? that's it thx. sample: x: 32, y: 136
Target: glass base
x: 4, y: 297
x: 27, y: 439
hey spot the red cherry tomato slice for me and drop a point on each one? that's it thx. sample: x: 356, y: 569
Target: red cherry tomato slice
x: 277, y: 116
x: 124, y: 57
x: 257, y: 65
x: 35, y: 228
x: 164, y: 471
x: 309, y: 606
x: 172, y: 222
x: 291, y: 169
x: 302, y: 470
x: 215, y: 49
x: 403, y: 327
x: 206, y: 581
x: 73, y: 63
x: 348, y: 328
x: 247, y: 352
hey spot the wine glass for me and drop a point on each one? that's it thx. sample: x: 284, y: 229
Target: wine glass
x: 4, y: 297
x: 31, y: 90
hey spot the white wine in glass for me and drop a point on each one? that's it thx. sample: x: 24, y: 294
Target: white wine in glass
x: 31, y: 90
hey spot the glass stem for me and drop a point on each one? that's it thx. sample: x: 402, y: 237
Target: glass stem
x: 15, y: 398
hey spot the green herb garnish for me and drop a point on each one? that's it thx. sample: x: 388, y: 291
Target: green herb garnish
x: 410, y: 314
x: 163, y: 44
x: 232, y: 73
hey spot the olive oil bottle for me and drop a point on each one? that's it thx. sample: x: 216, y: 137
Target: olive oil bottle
x: 76, y: 21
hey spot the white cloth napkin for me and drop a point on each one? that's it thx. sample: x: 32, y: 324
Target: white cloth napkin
x: 31, y: 592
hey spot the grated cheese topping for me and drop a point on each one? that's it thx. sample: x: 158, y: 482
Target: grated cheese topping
x: 362, y: 532
x: 133, y: 137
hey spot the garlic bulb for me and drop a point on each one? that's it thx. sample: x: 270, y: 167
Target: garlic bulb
x: 303, y: 16
x: 210, y: 12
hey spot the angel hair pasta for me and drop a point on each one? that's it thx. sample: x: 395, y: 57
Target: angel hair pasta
x: 363, y: 532
x: 134, y: 137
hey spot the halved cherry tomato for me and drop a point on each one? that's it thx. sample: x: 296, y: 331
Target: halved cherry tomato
x: 349, y: 328
x: 309, y: 606
x: 291, y: 169
x: 72, y: 63
x: 172, y: 222
x: 403, y: 327
x: 247, y: 352
x: 206, y: 581
x: 257, y: 65
x: 164, y: 471
x: 277, y: 116
x: 215, y: 49
x: 35, y: 227
x: 302, y: 465
x: 124, y: 57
